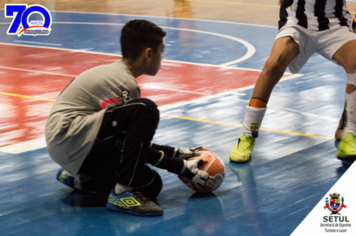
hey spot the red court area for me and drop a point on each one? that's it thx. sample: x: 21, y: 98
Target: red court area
x: 42, y: 73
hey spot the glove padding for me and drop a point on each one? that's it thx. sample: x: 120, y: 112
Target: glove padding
x: 186, y: 153
x: 193, y: 173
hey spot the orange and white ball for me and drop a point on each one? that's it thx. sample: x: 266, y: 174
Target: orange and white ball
x: 215, y: 168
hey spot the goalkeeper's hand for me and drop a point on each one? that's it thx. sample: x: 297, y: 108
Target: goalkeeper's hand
x: 192, y: 172
x: 186, y: 153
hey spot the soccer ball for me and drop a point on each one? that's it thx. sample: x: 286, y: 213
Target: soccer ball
x: 215, y: 168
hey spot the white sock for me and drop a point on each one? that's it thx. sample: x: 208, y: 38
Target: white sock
x: 119, y: 188
x: 351, y: 106
x: 253, y: 120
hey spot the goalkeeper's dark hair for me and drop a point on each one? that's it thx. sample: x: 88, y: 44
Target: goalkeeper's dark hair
x: 137, y: 35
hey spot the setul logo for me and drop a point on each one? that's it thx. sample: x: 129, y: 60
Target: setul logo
x: 335, y: 205
x: 335, y: 222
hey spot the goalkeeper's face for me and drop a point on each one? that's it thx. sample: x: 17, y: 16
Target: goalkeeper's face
x: 154, y: 60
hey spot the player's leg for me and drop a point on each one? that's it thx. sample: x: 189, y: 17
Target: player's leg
x: 124, y: 137
x: 346, y: 57
x: 103, y: 163
x: 137, y: 121
x: 106, y: 155
x: 117, y: 162
x: 340, y: 128
x: 122, y: 150
x: 342, y: 123
x: 284, y: 50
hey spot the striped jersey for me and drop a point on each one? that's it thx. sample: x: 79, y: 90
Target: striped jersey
x: 316, y: 15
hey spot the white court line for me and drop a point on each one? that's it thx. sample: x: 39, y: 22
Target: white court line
x: 250, y: 49
x: 36, y: 71
x: 3, y: 167
x: 163, y: 88
x: 202, y: 99
x: 117, y: 55
x: 272, y: 108
x: 25, y: 146
x: 73, y: 76
x: 23, y: 41
x: 61, y: 49
x: 307, y: 114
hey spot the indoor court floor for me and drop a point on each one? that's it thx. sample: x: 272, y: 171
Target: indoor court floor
x: 214, y: 53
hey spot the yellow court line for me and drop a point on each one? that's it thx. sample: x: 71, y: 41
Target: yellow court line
x: 192, y: 119
x: 25, y: 96
x: 240, y: 126
x: 237, y: 3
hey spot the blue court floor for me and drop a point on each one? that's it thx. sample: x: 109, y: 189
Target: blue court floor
x: 293, y: 166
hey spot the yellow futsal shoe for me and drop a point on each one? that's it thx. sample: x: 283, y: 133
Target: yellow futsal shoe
x: 347, y: 148
x: 242, y: 151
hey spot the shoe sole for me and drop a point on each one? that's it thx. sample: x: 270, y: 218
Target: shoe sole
x: 241, y: 162
x: 111, y: 207
x: 349, y: 159
x: 346, y: 163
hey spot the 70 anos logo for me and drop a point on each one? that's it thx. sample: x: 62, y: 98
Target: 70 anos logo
x: 20, y: 24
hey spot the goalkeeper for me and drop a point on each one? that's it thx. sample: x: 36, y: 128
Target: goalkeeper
x: 99, y: 129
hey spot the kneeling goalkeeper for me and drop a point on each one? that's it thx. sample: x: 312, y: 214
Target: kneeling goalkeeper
x: 99, y: 129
